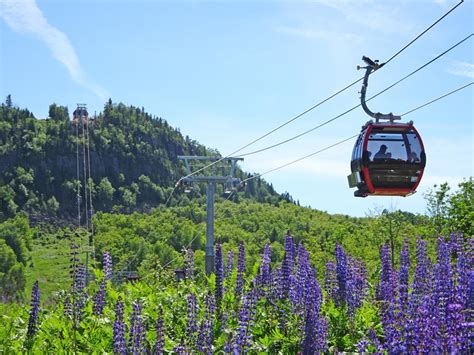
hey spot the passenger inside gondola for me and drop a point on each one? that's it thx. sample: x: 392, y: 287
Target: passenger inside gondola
x: 413, y: 158
x: 382, y: 153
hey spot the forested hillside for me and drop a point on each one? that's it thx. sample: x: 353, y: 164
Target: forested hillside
x: 133, y: 161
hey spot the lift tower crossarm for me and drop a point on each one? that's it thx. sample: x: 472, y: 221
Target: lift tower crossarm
x: 211, y: 182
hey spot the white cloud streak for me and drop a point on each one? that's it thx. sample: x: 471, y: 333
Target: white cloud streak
x: 24, y: 16
x: 463, y: 69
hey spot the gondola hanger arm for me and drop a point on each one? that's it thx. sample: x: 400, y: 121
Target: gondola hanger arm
x: 371, y: 67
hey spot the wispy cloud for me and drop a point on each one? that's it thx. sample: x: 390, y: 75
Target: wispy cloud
x: 463, y: 69
x: 319, y: 35
x: 24, y: 16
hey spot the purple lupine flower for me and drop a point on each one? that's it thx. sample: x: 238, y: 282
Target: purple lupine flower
x: 243, y: 337
x: 387, y: 285
x: 189, y: 264
x: 389, y: 322
x: 77, y: 271
x: 300, y: 280
x: 78, y: 294
x: 323, y: 331
x: 210, y: 311
x: 205, y: 337
x: 420, y: 326
x: 107, y: 265
x: 99, y: 298
x: 229, y: 266
x: 404, y: 276
x: 462, y: 269
x: 341, y: 273
x: 444, y: 287
x: 180, y: 349
x: 265, y: 266
x: 67, y: 306
x: 239, y: 282
x: 310, y: 332
x: 356, y: 285
x: 135, y: 341
x: 287, y: 265
x: 224, y: 321
x: 404, y: 320
x: 191, y: 327
x: 228, y: 270
x: 33, y: 321
x: 275, y: 285
x: 444, y: 275
x: 141, y: 346
x: 160, y: 334
x: 456, y: 333
x: 470, y: 290
x: 330, y: 280
x: 315, y: 333
x: 120, y: 346
x: 313, y: 295
x: 290, y: 250
x: 228, y: 346
x: 201, y: 341
x: 421, y: 278
x: 387, y: 293
x: 284, y: 278
x: 426, y: 330
x: 74, y: 256
x: 362, y: 346
x: 375, y: 342
x: 219, y: 289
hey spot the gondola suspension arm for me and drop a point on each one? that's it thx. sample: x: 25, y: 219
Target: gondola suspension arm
x: 371, y: 67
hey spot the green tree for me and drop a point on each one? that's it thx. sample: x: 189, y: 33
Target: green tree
x: 105, y: 194
x: 58, y: 113
x: 52, y: 205
x: 437, y: 204
x: 461, y: 208
x: 7, y: 257
x: 8, y: 101
x: 17, y: 235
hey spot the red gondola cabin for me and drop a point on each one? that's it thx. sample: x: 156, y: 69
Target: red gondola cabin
x: 388, y: 160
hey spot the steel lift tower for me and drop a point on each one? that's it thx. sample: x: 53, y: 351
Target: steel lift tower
x: 230, y: 183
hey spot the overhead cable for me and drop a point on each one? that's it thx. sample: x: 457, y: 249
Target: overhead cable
x: 345, y: 140
x: 422, y: 33
x: 438, y: 98
x: 323, y: 101
x: 356, y: 106
x: 322, y: 150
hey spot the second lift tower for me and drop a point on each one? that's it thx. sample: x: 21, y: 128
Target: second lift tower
x: 230, y: 183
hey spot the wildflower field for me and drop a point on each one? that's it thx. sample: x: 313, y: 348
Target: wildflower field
x: 422, y: 306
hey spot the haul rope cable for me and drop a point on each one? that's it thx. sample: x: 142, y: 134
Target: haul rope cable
x: 353, y: 108
x: 438, y: 98
x: 330, y: 97
x: 322, y: 150
x: 340, y: 142
x: 313, y: 107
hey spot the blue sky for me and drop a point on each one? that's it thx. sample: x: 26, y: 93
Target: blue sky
x: 226, y: 72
